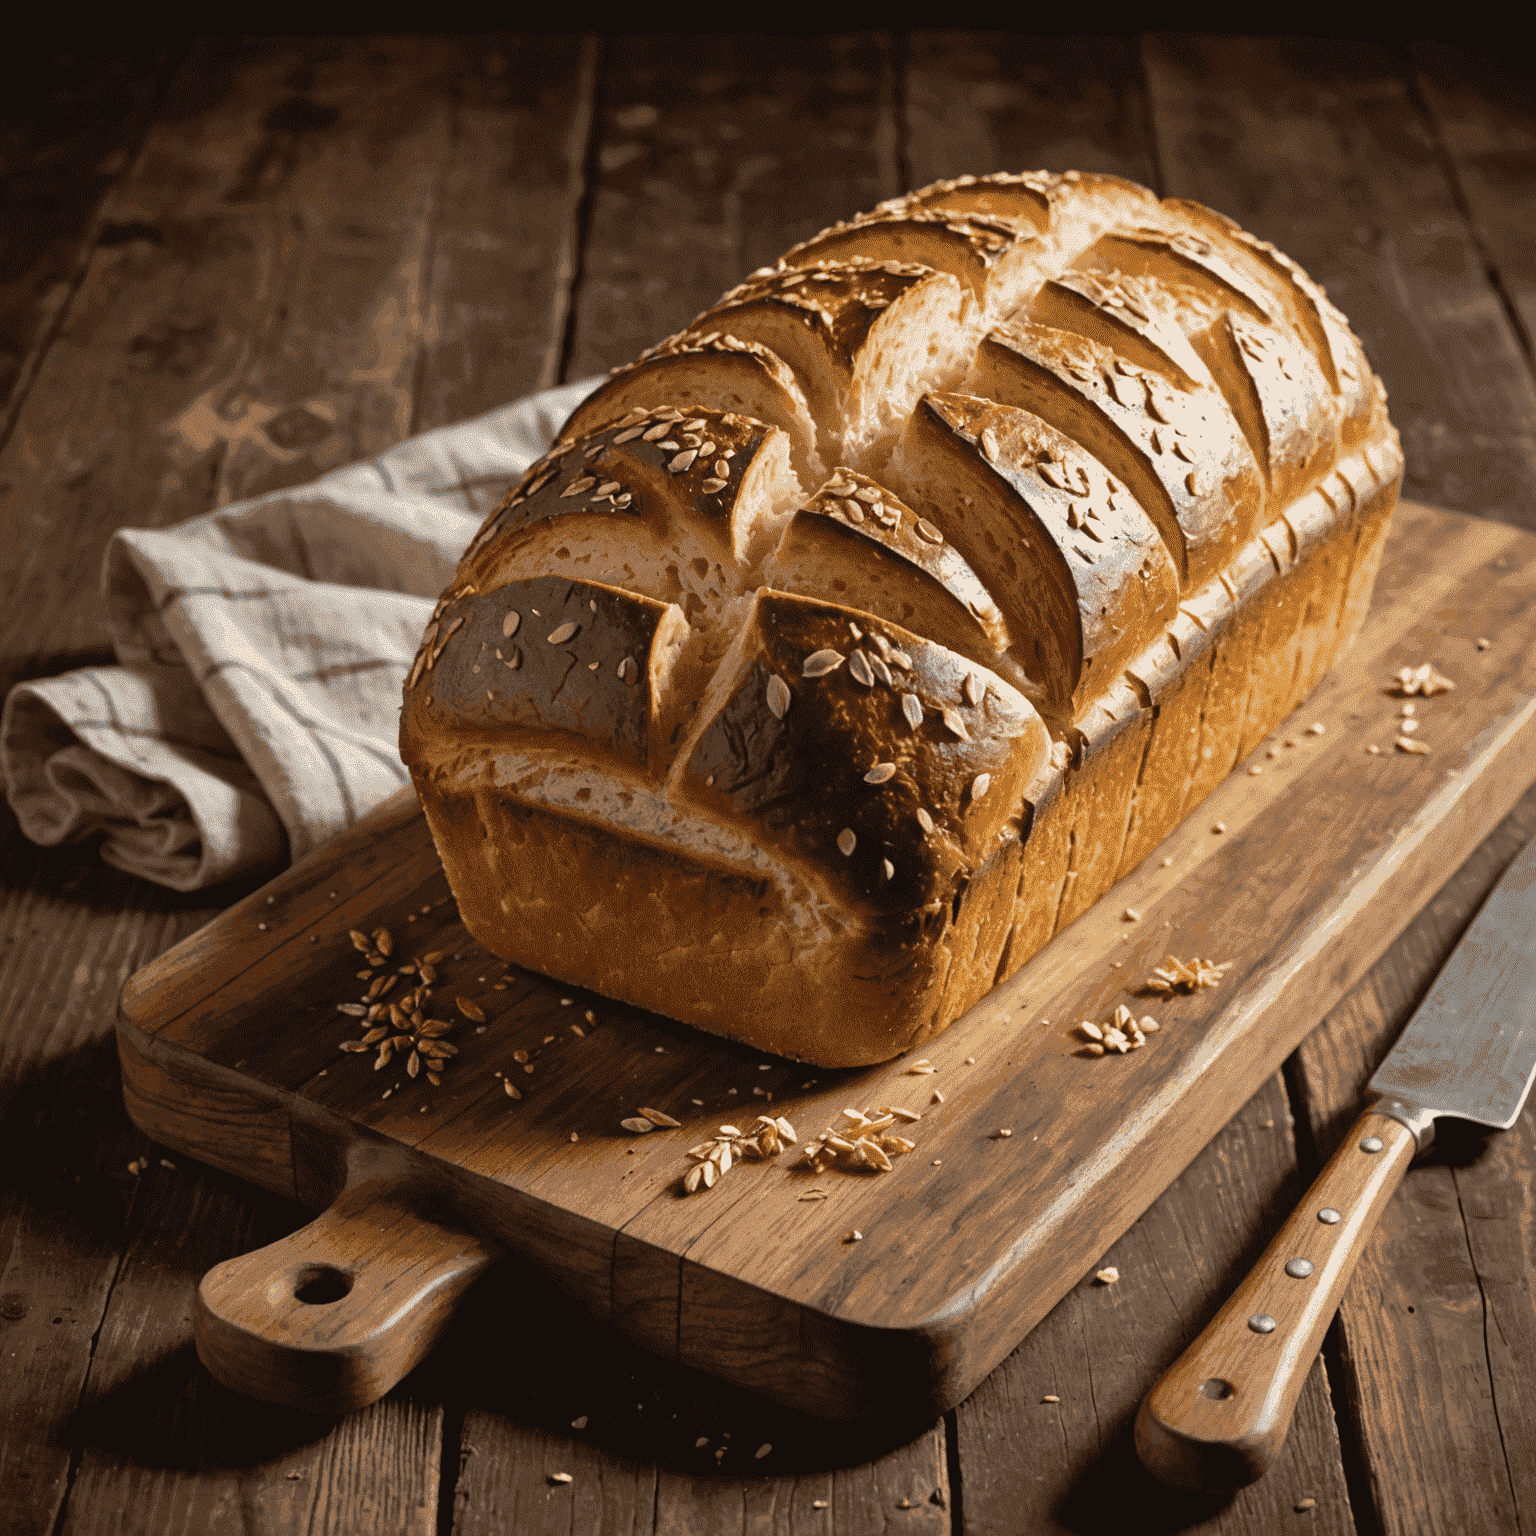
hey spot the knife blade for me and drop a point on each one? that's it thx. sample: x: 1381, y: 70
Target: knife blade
x: 1218, y: 1417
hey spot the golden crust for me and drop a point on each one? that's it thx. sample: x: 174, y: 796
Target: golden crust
x: 1061, y: 578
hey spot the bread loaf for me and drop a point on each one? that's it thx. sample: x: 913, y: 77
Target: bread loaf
x: 850, y: 643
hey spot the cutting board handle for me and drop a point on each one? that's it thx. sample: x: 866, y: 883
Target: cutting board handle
x: 330, y: 1317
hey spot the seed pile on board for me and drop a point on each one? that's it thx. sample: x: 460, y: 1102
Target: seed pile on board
x: 1194, y: 975
x: 399, y: 1024
x: 865, y: 1142
x: 1422, y: 682
x: 1124, y: 1032
x: 715, y: 1158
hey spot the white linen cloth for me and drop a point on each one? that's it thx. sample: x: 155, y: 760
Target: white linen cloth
x: 261, y: 651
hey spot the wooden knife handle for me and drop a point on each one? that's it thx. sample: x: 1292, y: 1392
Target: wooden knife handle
x: 1220, y: 1414
x: 330, y: 1317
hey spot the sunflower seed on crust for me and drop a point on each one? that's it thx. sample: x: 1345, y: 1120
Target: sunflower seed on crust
x: 778, y: 696
x: 912, y: 708
x: 954, y: 723
x: 819, y: 663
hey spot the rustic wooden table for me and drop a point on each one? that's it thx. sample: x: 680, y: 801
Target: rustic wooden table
x: 231, y: 265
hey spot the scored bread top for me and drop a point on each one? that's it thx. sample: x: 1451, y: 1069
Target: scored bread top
x: 882, y: 764
x: 904, y: 521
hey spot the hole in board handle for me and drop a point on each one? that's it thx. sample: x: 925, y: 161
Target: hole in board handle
x: 1217, y: 1390
x: 320, y: 1285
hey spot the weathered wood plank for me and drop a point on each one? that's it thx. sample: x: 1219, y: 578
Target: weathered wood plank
x: 504, y: 225
x: 163, y: 1449
x: 654, y: 1447
x: 1317, y: 145
x: 1484, y: 106
x: 73, y: 932
x: 70, y: 124
x: 715, y: 153
x: 1027, y: 1464
x: 1001, y: 101
x: 258, y: 327
x: 1439, y: 1325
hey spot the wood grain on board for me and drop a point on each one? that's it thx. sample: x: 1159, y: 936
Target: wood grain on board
x: 1298, y: 877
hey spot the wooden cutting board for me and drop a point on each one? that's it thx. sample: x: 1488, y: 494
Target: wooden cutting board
x: 231, y: 1052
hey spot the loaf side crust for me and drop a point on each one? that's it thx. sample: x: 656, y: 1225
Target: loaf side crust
x: 915, y: 715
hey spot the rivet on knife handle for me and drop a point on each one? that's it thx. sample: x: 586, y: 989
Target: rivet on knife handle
x: 1219, y: 1416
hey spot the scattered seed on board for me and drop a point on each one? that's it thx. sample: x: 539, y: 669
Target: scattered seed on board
x: 763, y: 1450
x: 561, y: 1477
x: 1050, y: 1397
x: 1195, y: 975
x: 1107, y: 1275
x: 853, y: 1235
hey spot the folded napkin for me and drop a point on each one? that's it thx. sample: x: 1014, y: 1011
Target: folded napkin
x: 261, y: 651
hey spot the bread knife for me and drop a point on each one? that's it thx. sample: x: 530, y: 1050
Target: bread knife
x: 1218, y: 1417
